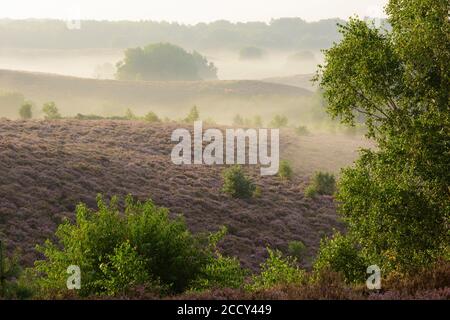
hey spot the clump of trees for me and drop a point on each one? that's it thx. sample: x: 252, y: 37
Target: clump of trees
x: 285, y: 171
x: 164, y: 61
x: 118, y: 251
x: 396, y: 199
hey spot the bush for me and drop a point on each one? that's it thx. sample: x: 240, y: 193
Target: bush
x: 285, y: 171
x: 277, y: 270
x: 296, y: 249
x: 129, y: 115
x: 192, y: 116
x: 51, y: 111
x: 236, y: 184
x: 151, y: 117
x: 238, y: 121
x: 25, y: 110
x: 340, y: 254
x: 223, y: 272
x: 116, y: 251
x: 322, y: 183
x: 279, y: 122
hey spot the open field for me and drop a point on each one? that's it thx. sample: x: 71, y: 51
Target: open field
x: 47, y: 167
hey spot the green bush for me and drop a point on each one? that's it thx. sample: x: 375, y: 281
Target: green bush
x: 115, y: 251
x: 296, y: 249
x: 277, y: 270
x: 25, y: 110
x: 237, y: 184
x: 193, y: 115
x: 322, y: 183
x: 285, y: 171
x: 340, y: 254
x: 279, y: 122
x: 222, y: 272
x: 151, y: 117
x: 51, y: 111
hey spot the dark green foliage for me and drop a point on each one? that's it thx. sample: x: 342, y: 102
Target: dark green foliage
x: 285, y: 171
x: 192, y: 116
x: 396, y: 200
x: 341, y: 255
x: 222, y: 272
x: 117, y: 251
x: 164, y: 61
x: 51, y: 111
x: 296, y: 249
x: 10, y: 271
x: 25, y: 110
x: 322, y: 183
x: 237, y: 184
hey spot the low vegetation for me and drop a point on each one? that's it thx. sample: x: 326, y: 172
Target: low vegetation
x: 322, y: 183
x: 237, y: 184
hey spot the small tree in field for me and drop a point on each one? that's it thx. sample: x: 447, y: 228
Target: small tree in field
x: 237, y: 184
x: 51, y: 111
x: 25, y: 111
x: 192, y: 116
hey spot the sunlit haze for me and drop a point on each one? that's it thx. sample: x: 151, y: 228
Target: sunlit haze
x: 192, y: 11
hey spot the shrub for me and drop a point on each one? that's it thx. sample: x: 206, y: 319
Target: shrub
x: 277, y: 270
x: 151, y: 117
x: 340, y: 254
x: 10, y: 272
x: 51, y: 111
x: 164, y: 61
x: 296, y: 249
x: 279, y: 122
x: 193, y: 115
x: 322, y: 183
x: 285, y: 171
x: 237, y: 184
x: 222, y: 272
x: 116, y: 251
x: 25, y: 110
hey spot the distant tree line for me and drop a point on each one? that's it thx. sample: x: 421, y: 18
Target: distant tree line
x: 284, y: 33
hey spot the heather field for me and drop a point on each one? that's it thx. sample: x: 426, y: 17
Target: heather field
x: 48, y: 167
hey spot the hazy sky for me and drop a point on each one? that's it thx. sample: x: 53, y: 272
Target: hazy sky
x: 190, y: 11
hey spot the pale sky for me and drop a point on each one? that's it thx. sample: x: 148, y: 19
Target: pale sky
x: 190, y: 11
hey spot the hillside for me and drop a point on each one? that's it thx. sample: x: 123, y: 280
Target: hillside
x: 111, y: 97
x: 47, y: 167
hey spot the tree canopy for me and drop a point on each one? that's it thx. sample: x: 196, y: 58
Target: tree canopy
x: 396, y: 199
x: 164, y: 61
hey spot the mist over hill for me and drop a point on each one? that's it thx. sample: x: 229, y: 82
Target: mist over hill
x: 284, y: 33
